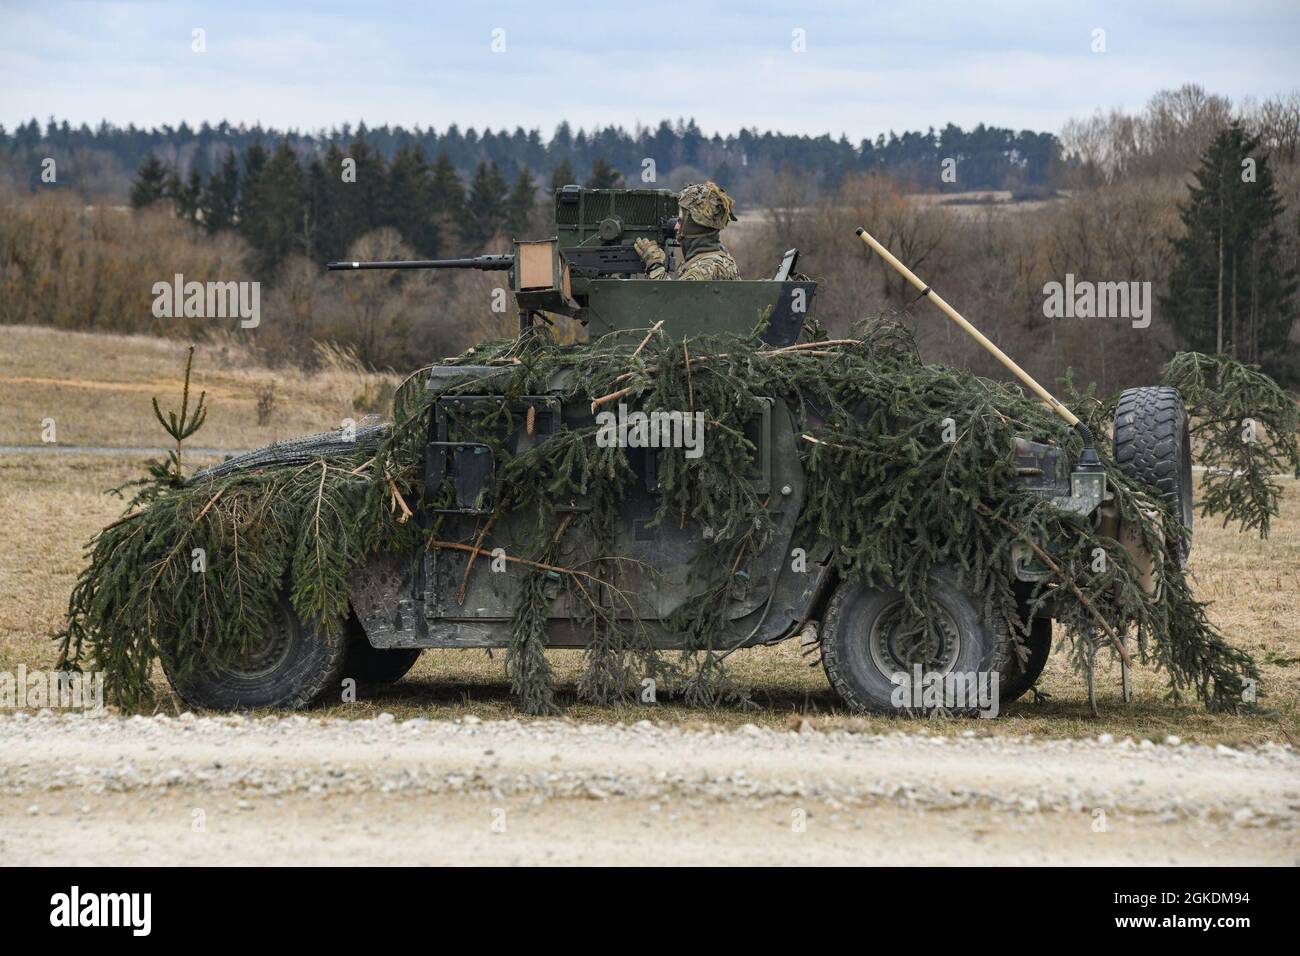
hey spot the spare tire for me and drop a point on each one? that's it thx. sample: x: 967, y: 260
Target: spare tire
x: 1153, y: 446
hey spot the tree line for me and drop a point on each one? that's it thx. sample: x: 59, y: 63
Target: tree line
x: 1227, y: 279
x: 1197, y: 196
x: 986, y: 157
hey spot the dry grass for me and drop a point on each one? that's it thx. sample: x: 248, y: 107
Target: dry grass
x: 51, y: 505
x: 98, y: 388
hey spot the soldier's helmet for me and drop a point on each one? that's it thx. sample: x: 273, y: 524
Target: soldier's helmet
x: 707, y: 204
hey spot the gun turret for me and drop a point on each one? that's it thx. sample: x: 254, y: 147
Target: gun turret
x: 589, y: 270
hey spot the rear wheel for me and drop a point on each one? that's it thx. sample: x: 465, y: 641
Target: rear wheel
x: 865, y: 650
x: 1153, y: 446
x: 292, y: 666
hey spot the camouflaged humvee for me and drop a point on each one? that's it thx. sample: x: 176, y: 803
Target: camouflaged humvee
x: 405, y: 603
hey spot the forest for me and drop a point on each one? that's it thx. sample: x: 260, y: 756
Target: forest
x: 1194, y: 198
x: 102, y: 161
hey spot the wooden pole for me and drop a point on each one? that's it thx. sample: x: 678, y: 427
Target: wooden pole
x: 969, y: 329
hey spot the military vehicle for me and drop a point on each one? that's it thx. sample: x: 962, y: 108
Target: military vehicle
x: 589, y: 272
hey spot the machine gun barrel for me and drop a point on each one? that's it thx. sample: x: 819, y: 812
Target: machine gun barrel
x: 481, y: 263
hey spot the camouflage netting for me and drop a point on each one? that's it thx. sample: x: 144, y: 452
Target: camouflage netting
x: 898, y: 500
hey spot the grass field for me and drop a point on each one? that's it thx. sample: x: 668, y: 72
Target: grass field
x: 51, y: 504
x: 97, y: 389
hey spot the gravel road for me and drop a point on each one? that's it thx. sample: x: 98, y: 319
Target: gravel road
x: 234, y: 790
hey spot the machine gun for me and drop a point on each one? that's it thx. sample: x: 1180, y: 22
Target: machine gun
x: 588, y: 270
x: 595, y: 238
x: 482, y: 263
x: 596, y: 231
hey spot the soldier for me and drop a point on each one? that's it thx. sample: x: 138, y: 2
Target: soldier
x: 705, y: 210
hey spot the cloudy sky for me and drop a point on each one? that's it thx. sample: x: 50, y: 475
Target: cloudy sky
x: 865, y: 67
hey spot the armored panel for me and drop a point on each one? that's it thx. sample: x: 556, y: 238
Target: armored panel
x: 698, y: 308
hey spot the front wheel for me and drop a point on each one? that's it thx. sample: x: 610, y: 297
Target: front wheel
x: 292, y: 666
x: 872, y: 660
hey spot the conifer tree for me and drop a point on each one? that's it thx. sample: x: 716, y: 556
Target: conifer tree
x: 603, y: 176
x: 273, y: 219
x: 485, y: 208
x: 185, y: 195
x: 1231, y: 290
x: 150, y: 184
x: 446, y: 191
x: 562, y: 175
x: 362, y: 198
x: 254, y: 161
x: 407, y: 205
x: 220, y: 200
x: 324, y: 185
x: 521, y: 204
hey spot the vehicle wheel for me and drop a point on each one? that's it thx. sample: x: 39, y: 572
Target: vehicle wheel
x: 862, y: 648
x: 1154, y: 446
x: 372, y: 666
x: 293, y: 666
x: 1020, y: 678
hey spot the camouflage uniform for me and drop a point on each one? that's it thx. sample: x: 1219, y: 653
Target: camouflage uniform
x: 705, y: 211
x: 706, y: 265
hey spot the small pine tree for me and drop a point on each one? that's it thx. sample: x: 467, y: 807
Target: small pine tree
x: 180, y: 425
x: 150, y: 184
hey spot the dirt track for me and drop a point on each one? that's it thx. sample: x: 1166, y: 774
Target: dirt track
x: 292, y: 790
